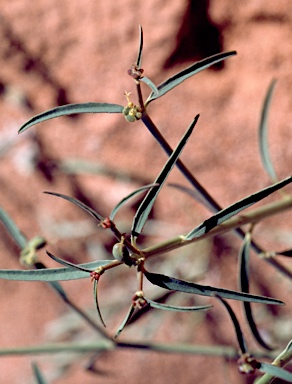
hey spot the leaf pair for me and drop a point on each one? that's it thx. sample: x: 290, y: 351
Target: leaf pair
x: 157, y: 305
x: 114, y: 211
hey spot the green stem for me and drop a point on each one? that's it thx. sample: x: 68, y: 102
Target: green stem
x: 13, y: 230
x: 284, y: 358
x: 204, y: 194
x: 253, y: 217
x: 107, y: 345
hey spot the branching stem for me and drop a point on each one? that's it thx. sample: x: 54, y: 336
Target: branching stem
x: 250, y: 217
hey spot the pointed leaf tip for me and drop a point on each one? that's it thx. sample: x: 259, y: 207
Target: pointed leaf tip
x: 181, y: 76
x: 263, y: 134
x: 95, y: 295
x: 144, y: 209
x: 244, y: 287
x: 79, y: 203
x: 235, y: 208
x: 70, y: 109
x: 174, y: 284
x: 175, y: 308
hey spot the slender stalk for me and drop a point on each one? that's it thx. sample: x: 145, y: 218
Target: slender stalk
x: 250, y: 217
x: 107, y: 345
x: 104, y: 345
x: 284, y: 358
x: 140, y: 97
x: 140, y: 277
x: 204, y: 194
x: 13, y: 230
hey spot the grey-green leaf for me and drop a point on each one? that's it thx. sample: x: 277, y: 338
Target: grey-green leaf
x: 287, y: 253
x: 178, y: 78
x: 175, y: 308
x: 144, y: 209
x: 54, y: 284
x: 174, y: 284
x: 127, y: 198
x: 235, y: 208
x: 140, y: 50
x: 276, y: 371
x: 38, y: 374
x: 51, y: 274
x: 95, y: 295
x: 70, y: 109
x: 77, y: 202
x: 244, y: 287
x: 150, y: 84
x: 67, y: 263
x: 239, y: 335
x: 125, y: 321
x: 263, y: 134
x: 12, y: 228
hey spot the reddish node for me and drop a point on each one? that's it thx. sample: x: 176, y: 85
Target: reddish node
x: 135, y: 72
x: 247, y: 364
x: 106, y: 223
x: 138, y: 301
x: 94, y: 276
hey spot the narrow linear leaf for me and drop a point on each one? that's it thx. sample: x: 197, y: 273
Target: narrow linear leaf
x: 244, y: 260
x: 244, y: 287
x: 276, y: 372
x: 287, y: 253
x: 38, y: 374
x: 67, y: 263
x: 175, y: 308
x: 140, y: 50
x: 95, y: 295
x: 150, y: 84
x: 127, y: 198
x: 146, y: 308
x: 235, y: 208
x: 54, y: 284
x: 70, y: 109
x: 125, y: 321
x: 52, y: 274
x: 195, y: 68
x: 263, y: 134
x: 173, y: 284
x: 77, y: 202
x: 144, y: 209
x: 237, y: 328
